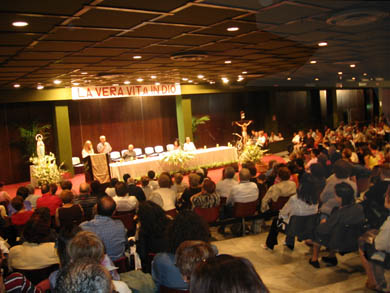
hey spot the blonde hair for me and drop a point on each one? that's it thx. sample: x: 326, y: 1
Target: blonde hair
x: 86, y: 244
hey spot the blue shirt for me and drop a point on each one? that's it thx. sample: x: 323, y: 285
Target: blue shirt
x: 111, y: 232
x: 164, y: 272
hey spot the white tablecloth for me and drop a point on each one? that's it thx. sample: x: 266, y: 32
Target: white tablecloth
x: 202, y: 157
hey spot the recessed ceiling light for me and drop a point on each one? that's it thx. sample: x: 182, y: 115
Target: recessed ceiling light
x: 288, y: 78
x: 137, y: 57
x: 225, y: 79
x: 184, y: 78
x: 364, y: 74
x: 211, y: 81
x: 156, y: 83
x: 126, y: 82
x: 115, y: 84
x: 140, y: 79
x: 20, y: 23
x: 190, y: 81
x: 228, y: 61
x: 200, y: 76
x: 57, y: 81
x: 352, y: 65
x: 313, y: 62
x: 84, y: 73
x: 232, y: 29
x: 16, y: 85
x: 244, y: 72
x: 339, y: 73
x: 322, y: 44
x: 153, y: 77
x: 353, y: 78
x: 316, y: 79
x: 240, y: 78
x: 40, y: 87
x: 76, y: 83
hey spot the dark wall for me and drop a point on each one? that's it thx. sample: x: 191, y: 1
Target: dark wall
x: 13, y: 158
x: 146, y: 121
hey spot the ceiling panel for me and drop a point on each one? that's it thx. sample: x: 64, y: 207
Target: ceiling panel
x: 79, y: 34
x: 37, y: 23
x: 18, y: 39
x: 29, y: 55
x: 196, y: 15
x: 131, y: 43
x: 6, y: 51
x: 111, y: 18
x: 160, y: 31
x: 221, y: 28
x: 68, y: 7
x: 154, y: 5
x: 100, y: 52
x: 191, y: 39
x: 52, y: 46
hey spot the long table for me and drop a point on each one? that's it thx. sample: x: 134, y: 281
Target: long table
x: 202, y: 157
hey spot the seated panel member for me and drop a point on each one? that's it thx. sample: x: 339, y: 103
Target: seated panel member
x: 189, y: 145
x: 130, y: 153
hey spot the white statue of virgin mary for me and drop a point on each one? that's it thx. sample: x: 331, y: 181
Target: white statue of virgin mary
x: 40, y: 146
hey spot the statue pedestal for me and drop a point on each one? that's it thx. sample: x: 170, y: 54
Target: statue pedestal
x: 33, y: 181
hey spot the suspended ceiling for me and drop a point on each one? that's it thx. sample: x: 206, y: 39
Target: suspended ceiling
x: 95, y: 42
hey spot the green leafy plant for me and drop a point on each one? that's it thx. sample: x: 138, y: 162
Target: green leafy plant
x: 177, y: 159
x: 46, y: 169
x: 196, y: 121
x: 27, y: 142
x: 252, y: 153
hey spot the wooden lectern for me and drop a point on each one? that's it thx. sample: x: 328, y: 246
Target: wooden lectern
x: 96, y: 167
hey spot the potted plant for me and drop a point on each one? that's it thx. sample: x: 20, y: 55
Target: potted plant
x: 176, y: 160
x: 46, y: 169
x: 196, y: 121
x: 254, y: 154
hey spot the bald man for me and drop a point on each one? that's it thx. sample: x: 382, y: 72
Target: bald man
x: 130, y: 153
x: 103, y: 146
x: 86, y: 200
x: 111, y: 232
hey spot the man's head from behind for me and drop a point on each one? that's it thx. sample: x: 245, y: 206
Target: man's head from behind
x: 121, y: 188
x: 342, y: 169
x: 245, y: 174
x: 84, y: 188
x: 229, y: 172
x: 106, y: 206
x: 45, y: 188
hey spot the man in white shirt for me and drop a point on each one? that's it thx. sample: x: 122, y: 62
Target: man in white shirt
x: 164, y: 196
x: 189, y: 145
x: 226, y: 184
x: 245, y: 191
x: 103, y: 146
x: 124, y: 202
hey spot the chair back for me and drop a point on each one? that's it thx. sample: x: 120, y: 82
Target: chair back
x: 75, y: 161
x: 123, y: 152
x: 123, y: 264
x: 344, y: 237
x: 37, y: 276
x: 149, y: 151
x: 209, y: 214
x: 158, y: 149
x: 164, y: 289
x: 115, y: 155
x: 138, y: 151
x: 302, y: 226
x: 276, y: 206
x: 127, y: 219
x: 170, y: 147
x: 244, y: 209
x: 223, y: 200
x: 172, y: 213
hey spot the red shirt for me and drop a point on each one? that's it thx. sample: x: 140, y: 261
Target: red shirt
x: 53, y: 202
x: 21, y: 218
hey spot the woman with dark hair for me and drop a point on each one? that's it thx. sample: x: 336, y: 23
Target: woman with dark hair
x: 37, y: 250
x: 327, y: 232
x: 207, y: 198
x: 151, y: 234
x: 226, y: 273
x: 69, y: 214
x: 186, y: 226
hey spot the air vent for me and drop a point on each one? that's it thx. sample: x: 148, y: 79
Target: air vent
x: 356, y: 17
x: 189, y: 56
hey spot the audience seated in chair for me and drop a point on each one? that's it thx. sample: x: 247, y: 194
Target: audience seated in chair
x: 152, y: 239
x: 110, y: 190
x: 226, y: 273
x: 207, y: 198
x: 164, y: 196
x: 124, y: 201
x: 69, y: 214
x: 340, y: 232
x: 186, y: 226
x: 179, y: 186
x: 21, y: 216
x: 53, y: 202
x: 184, y: 202
x: 135, y: 190
x: 87, y: 200
x: 225, y: 185
x: 111, y: 232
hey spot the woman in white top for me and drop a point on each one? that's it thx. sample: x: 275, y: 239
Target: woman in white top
x: 305, y: 202
x: 87, y: 149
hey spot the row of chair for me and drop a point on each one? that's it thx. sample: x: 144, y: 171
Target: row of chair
x: 148, y: 151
